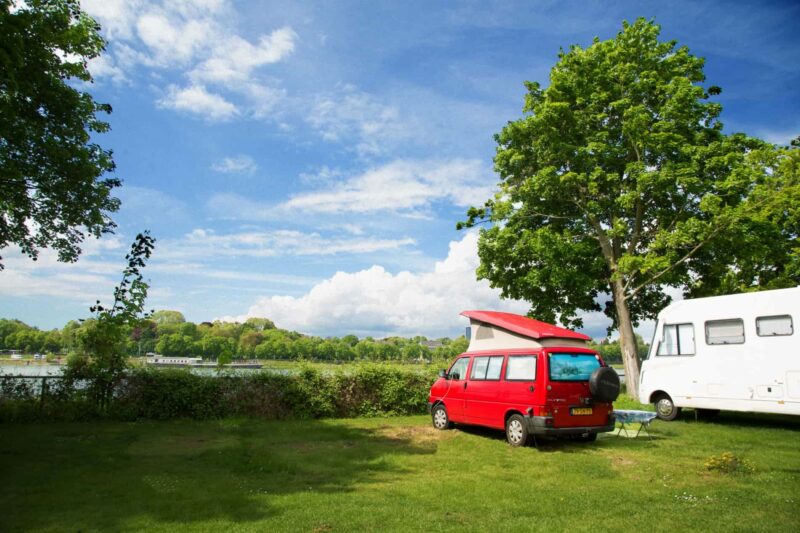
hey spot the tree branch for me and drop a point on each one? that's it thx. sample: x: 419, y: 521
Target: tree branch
x: 714, y: 233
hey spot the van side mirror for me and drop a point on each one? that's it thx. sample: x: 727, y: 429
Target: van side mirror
x: 443, y: 374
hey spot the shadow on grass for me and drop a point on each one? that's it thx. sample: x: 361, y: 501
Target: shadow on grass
x: 752, y: 420
x: 566, y: 445
x: 159, y: 475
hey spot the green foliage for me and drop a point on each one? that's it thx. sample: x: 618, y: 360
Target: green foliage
x: 101, y: 355
x: 255, y: 339
x: 16, y: 335
x: 164, y: 317
x: 761, y: 250
x: 51, y: 191
x: 611, y: 351
x: 619, y: 181
x: 147, y: 393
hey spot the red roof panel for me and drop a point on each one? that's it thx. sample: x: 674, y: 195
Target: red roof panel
x: 523, y: 325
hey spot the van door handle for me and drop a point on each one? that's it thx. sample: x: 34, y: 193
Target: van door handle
x: 530, y: 388
x: 465, y: 384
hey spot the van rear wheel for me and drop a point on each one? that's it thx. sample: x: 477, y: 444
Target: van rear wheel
x: 516, y: 430
x: 665, y: 407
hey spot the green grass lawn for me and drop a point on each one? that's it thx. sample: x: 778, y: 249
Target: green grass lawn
x: 392, y: 474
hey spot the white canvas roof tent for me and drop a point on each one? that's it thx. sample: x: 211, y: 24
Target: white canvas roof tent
x: 493, y: 330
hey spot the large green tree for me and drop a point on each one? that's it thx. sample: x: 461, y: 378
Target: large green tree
x: 618, y: 181
x: 52, y: 190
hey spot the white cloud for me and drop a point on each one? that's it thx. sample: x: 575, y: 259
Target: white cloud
x: 377, y: 302
x: 201, y: 270
x: 172, y: 41
x: 261, y: 99
x: 234, y: 59
x: 239, y: 164
x: 402, y: 186
x: 202, y: 243
x: 103, y: 67
x: 350, y: 113
x: 117, y: 17
x: 199, y: 39
x: 197, y: 100
x: 91, y: 278
x: 323, y: 174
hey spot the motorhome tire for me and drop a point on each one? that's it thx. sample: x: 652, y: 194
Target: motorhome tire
x: 665, y: 407
x: 604, y: 384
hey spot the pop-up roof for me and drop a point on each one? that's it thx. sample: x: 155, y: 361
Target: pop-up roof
x: 492, y: 330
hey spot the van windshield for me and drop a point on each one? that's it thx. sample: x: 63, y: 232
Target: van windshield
x: 572, y: 366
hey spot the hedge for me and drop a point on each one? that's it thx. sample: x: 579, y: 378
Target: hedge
x: 160, y: 394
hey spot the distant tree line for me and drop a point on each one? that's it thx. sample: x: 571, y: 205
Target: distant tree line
x: 168, y: 333
x: 611, y: 351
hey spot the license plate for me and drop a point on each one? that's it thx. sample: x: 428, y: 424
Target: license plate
x: 581, y: 411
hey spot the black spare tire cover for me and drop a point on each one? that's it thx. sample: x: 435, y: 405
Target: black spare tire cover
x: 604, y: 384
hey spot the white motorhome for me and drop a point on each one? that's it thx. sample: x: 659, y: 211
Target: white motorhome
x: 736, y: 353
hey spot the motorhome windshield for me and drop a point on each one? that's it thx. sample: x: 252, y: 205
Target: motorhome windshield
x: 572, y: 366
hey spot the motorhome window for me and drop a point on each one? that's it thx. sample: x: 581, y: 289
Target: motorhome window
x: 459, y: 368
x: 487, y: 368
x: 572, y: 366
x: 729, y: 331
x: 774, y: 326
x: 521, y: 368
x: 677, y: 339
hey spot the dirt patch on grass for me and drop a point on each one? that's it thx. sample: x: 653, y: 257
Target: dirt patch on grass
x: 627, y: 467
x: 622, y: 463
x: 412, y: 434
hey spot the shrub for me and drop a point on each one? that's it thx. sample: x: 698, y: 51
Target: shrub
x: 729, y: 463
x: 159, y: 394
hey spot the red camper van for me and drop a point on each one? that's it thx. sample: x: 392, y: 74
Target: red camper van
x: 528, y: 378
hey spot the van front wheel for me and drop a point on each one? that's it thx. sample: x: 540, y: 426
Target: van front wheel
x: 665, y: 408
x: 516, y: 430
x: 440, y: 418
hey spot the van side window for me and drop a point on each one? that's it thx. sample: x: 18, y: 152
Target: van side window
x: 459, y: 368
x: 677, y: 339
x: 729, y: 331
x: 774, y: 326
x: 487, y: 368
x: 521, y: 368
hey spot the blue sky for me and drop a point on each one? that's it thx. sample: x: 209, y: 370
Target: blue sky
x: 308, y: 161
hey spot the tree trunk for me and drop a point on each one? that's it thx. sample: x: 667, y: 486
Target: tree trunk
x: 627, y: 341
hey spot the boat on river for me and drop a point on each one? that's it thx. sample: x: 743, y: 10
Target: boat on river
x: 196, y: 362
